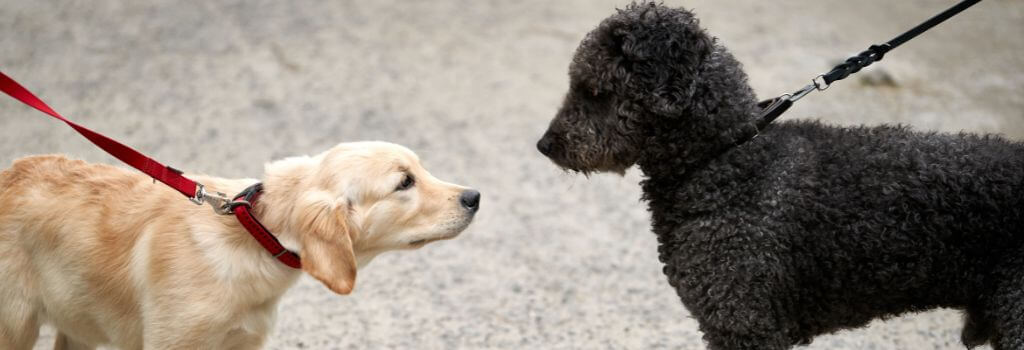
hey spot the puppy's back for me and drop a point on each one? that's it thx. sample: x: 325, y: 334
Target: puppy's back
x: 56, y: 175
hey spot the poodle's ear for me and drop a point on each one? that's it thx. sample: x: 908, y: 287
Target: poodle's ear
x: 662, y: 50
x: 326, y: 238
x: 653, y: 32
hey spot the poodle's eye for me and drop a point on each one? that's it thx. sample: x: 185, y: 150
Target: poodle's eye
x: 407, y: 183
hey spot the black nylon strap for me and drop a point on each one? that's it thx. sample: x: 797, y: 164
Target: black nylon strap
x: 876, y: 52
x: 856, y: 63
x: 773, y: 108
x: 921, y: 28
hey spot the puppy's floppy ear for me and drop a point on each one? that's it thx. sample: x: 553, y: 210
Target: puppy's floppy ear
x: 326, y: 238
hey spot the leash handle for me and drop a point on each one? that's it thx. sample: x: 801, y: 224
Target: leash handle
x: 165, y: 174
x: 876, y: 52
x: 773, y: 108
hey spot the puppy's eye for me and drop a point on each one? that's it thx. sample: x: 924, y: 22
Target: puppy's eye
x: 407, y: 182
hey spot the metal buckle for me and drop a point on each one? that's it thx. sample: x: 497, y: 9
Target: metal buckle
x: 200, y: 194
x: 820, y: 83
x: 219, y: 201
x: 237, y: 203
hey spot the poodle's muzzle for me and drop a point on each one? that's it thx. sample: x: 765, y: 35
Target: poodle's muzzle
x: 552, y: 146
x: 546, y: 144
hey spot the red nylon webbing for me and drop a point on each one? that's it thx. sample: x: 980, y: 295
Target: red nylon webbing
x: 155, y: 170
x: 267, y: 240
x: 126, y: 154
x: 258, y: 231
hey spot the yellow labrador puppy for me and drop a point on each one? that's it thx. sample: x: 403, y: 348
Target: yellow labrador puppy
x: 109, y: 257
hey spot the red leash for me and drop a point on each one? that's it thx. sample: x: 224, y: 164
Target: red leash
x: 137, y: 160
x: 169, y: 176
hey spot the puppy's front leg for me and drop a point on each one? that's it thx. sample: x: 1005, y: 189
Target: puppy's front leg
x: 197, y: 326
x: 63, y: 342
x: 239, y: 339
x: 206, y: 338
x: 245, y: 342
x: 182, y: 337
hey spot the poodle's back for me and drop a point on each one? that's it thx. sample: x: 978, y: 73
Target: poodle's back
x: 848, y: 224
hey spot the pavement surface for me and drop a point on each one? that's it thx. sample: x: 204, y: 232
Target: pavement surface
x: 553, y: 261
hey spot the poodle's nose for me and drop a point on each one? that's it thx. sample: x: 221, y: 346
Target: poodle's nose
x: 470, y: 199
x: 545, y: 145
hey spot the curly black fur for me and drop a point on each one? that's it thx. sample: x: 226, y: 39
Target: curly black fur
x: 808, y: 228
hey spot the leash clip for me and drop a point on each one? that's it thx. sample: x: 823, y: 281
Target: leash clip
x: 219, y: 201
x: 801, y: 93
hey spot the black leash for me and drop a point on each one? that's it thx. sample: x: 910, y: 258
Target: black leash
x: 773, y: 108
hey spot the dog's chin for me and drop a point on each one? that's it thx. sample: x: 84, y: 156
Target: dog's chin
x: 424, y: 241
x: 453, y: 231
x: 587, y: 168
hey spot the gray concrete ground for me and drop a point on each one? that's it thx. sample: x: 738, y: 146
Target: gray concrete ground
x: 554, y: 260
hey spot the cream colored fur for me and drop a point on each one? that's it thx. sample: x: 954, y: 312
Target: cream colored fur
x: 109, y: 257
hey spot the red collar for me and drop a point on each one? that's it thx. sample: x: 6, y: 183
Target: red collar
x: 241, y: 206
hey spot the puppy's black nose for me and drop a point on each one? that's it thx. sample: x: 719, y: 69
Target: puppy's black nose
x: 470, y: 199
x: 545, y: 144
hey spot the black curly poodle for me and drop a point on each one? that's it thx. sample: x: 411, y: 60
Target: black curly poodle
x: 808, y: 228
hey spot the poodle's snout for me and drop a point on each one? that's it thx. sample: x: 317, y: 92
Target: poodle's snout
x: 546, y: 144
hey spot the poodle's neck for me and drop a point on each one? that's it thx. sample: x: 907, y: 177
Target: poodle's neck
x: 720, y: 111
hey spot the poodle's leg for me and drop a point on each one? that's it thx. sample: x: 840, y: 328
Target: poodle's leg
x: 748, y: 326
x: 739, y: 298
x: 1006, y: 306
x: 63, y: 342
x: 744, y: 341
x: 978, y: 329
